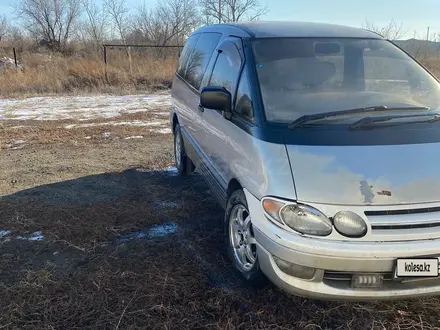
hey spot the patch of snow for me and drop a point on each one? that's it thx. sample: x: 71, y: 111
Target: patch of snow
x: 20, y: 126
x: 162, y: 114
x: 134, y: 137
x: 4, y: 233
x: 17, y: 147
x: 137, y: 123
x: 9, y: 63
x: 154, y: 232
x: 106, y: 135
x: 161, y: 130
x: 82, y: 107
x: 163, y: 230
x: 168, y: 205
x: 172, y: 171
x: 37, y: 236
x: 16, y: 144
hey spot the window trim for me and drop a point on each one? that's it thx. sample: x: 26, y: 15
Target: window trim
x: 230, y: 40
x: 236, y: 113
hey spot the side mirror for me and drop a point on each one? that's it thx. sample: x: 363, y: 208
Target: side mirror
x: 217, y: 98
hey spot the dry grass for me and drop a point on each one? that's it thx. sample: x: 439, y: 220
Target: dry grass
x: 54, y: 132
x: 433, y: 64
x: 83, y: 277
x: 44, y: 75
x: 85, y: 197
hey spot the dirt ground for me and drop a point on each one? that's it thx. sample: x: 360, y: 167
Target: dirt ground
x: 98, y: 232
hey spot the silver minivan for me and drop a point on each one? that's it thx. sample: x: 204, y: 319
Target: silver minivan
x: 322, y: 143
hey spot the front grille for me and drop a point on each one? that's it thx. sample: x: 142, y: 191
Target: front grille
x: 347, y: 276
x: 414, y: 226
x: 407, y: 224
x: 406, y: 211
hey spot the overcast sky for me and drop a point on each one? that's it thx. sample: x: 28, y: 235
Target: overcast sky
x: 416, y: 15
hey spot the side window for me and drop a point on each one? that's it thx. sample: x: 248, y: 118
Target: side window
x: 200, y: 57
x: 186, y: 54
x: 227, y: 68
x: 244, y: 106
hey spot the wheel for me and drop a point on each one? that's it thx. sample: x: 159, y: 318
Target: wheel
x: 239, y: 238
x: 184, y: 165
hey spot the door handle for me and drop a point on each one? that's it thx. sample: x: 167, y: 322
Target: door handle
x: 201, y: 109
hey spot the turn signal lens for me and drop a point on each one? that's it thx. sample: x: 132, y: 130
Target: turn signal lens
x: 272, y: 208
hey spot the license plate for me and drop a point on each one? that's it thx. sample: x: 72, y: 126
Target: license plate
x: 417, y: 268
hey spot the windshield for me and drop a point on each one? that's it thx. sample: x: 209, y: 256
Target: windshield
x: 306, y: 76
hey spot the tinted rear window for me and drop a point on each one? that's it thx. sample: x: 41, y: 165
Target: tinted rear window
x: 200, y: 57
x: 186, y: 54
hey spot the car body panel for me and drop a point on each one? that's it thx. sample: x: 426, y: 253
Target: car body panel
x: 368, y: 175
x: 260, y: 166
x: 185, y: 102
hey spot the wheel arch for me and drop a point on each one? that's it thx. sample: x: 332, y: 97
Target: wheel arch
x: 175, y: 121
x: 233, y: 185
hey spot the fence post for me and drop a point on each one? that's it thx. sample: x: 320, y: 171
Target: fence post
x: 15, y: 57
x: 105, y: 63
x: 130, y: 60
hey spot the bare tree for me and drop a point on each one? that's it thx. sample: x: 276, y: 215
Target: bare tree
x: 50, y: 20
x: 4, y: 27
x: 120, y: 17
x: 95, y: 24
x: 17, y: 38
x: 171, y: 22
x: 224, y: 11
x: 122, y: 21
x: 391, y: 31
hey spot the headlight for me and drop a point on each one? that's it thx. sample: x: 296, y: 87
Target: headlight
x: 350, y: 224
x: 306, y: 220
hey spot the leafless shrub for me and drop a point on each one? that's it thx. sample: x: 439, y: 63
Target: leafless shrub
x: 52, y: 22
x: 4, y: 27
x: 391, y: 31
x: 224, y: 11
x: 170, y: 22
x: 95, y: 27
x: 120, y: 17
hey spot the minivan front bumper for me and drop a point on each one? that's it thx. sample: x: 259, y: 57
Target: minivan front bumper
x: 341, y: 258
x: 321, y: 287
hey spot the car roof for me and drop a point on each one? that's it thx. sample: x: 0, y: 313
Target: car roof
x: 282, y: 29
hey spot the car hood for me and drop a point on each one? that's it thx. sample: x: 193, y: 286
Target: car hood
x: 359, y: 175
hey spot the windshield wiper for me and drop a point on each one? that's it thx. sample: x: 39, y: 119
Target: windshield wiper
x: 380, y: 108
x: 369, y: 120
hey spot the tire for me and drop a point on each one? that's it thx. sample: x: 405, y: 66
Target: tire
x: 245, y: 262
x: 184, y: 165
